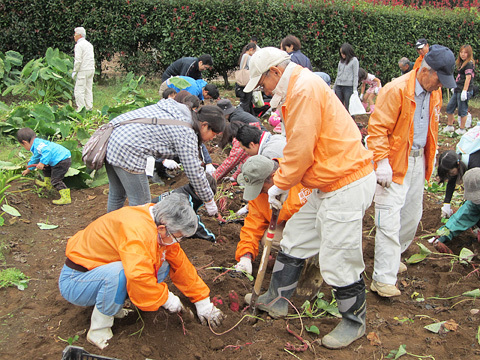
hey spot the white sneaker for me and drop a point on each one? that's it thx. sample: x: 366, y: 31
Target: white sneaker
x: 449, y: 128
x: 460, y: 131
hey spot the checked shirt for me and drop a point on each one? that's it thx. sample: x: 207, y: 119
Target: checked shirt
x: 131, y: 144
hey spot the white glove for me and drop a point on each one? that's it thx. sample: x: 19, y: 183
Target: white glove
x: 452, y: 90
x: 446, y: 211
x: 243, y: 210
x: 173, y: 303
x: 377, y: 89
x: 361, y: 96
x: 463, y: 96
x: 273, y: 192
x: 170, y: 164
x: 245, y: 264
x: 384, y: 173
x: 74, y: 74
x: 232, y: 179
x: 211, y: 208
x: 207, y: 312
x: 209, y: 169
x: 355, y: 92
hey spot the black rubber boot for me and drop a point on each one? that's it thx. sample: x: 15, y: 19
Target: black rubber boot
x: 285, y: 275
x: 352, y: 305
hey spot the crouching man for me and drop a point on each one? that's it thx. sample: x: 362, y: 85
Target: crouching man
x: 121, y: 253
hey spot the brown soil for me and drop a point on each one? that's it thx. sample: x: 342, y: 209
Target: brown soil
x: 34, y: 320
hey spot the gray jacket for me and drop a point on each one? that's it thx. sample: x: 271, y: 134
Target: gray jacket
x: 347, y: 74
x: 271, y: 146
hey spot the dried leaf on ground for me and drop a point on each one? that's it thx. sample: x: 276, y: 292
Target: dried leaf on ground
x: 374, y: 339
x: 451, y: 325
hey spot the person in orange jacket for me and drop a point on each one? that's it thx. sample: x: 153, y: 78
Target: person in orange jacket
x: 403, y: 133
x: 422, y: 48
x: 121, y: 253
x: 257, y: 177
x: 324, y: 153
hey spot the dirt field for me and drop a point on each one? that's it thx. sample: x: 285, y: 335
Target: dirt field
x: 34, y: 320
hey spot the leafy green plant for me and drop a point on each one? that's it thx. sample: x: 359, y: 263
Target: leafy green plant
x: 46, y: 79
x: 318, y: 308
x: 435, y: 187
x: 70, y: 340
x: 402, y: 350
x: 13, y: 277
x: 9, y: 75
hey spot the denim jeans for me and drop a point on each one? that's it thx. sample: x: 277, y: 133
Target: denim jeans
x: 344, y: 93
x: 104, y: 286
x: 123, y: 184
x: 455, y: 101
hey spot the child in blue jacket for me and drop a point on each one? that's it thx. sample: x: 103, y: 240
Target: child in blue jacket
x: 53, y: 159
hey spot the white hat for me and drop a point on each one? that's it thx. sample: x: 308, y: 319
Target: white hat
x: 261, y: 61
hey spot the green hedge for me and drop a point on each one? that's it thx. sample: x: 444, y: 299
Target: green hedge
x: 151, y: 34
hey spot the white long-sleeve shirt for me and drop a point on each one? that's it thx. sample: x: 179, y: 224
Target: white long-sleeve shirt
x: 84, y: 57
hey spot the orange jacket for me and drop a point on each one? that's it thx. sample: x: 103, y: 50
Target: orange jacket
x: 324, y: 148
x: 258, y: 218
x: 129, y: 235
x: 418, y: 62
x: 390, y: 127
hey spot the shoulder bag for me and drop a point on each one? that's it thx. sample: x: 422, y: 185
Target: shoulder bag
x: 95, y: 150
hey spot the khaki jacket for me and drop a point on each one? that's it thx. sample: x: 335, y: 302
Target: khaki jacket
x: 390, y: 127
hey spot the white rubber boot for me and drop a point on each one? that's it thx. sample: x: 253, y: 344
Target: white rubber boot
x: 100, y: 329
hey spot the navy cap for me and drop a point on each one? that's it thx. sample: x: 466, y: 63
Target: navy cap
x: 421, y: 43
x: 442, y: 60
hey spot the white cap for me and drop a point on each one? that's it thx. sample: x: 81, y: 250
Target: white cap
x: 261, y: 61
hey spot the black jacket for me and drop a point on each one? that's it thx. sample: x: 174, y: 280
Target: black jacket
x: 241, y: 115
x: 186, y: 66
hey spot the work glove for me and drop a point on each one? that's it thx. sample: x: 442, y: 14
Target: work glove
x: 245, y: 264
x: 74, y: 74
x: 361, y: 96
x: 211, y: 207
x: 173, y: 303
x: 446, y: 210
x: 170, y: 164
x: 275, y: 202
x: 463, y: 96
x: 209, y: 169
x: 384, y: 173
x: 243, y: 211
x: 208, y: 313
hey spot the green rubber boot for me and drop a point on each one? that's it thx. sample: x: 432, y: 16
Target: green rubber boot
x: 352, y: 305
x: 46, y: 183
x: 64, y: 197
x: 285, y: 275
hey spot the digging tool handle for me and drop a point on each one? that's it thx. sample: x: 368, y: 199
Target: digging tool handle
x: 264, y: 262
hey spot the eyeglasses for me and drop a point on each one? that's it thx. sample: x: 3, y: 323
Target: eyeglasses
x: 176, y: 240
x: 260, y: 87
x: 171, y: 236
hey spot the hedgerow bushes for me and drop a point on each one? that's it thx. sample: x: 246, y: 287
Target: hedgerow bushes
x: 149, y: 34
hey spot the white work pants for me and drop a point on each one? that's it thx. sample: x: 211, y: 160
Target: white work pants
x: 398, y: 210
x: 83, y: 90
x: 330, y: 224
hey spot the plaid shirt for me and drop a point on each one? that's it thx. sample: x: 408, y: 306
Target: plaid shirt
x: 131, y: 144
